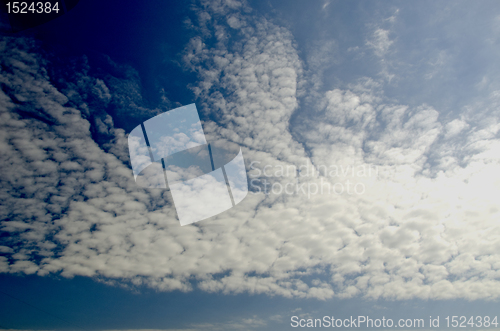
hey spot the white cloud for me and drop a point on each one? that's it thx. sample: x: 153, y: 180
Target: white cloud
x: 455, y: 127
x: 380, y: 42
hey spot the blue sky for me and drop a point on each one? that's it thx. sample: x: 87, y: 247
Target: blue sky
x: 411, y: 90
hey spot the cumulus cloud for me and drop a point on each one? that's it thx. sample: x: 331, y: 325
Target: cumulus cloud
x: 424, y: 226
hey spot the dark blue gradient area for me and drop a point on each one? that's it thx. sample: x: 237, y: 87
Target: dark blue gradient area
x: 80, y: 303
x: 148, y: 36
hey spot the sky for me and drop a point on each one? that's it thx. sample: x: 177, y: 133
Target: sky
x: 370, y: 134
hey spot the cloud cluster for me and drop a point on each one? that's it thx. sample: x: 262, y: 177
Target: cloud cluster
x: 425, y: 227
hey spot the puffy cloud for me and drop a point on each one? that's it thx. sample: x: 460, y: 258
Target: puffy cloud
x: 262, y: 71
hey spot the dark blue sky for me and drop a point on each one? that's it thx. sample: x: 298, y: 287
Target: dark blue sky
x: 147, y: 36
x: 82, y: 303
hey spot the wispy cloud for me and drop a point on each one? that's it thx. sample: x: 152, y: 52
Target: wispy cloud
x: 380, y: 42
